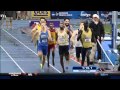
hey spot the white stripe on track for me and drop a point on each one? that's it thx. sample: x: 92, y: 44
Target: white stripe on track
x: 30, y: 49
x: 12, y: 59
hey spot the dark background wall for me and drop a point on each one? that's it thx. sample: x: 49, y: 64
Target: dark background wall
x: 9, y: 13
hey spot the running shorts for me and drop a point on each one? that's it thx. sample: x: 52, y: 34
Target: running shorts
x: 51, y: 46
x: 63, y: 50
x: 43, y: 49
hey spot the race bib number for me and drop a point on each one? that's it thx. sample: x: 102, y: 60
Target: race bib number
x: 44, y: 41
x: 87, y: 39
x: 61, y: 39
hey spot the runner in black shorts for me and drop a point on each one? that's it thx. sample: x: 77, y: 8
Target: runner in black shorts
x: 63, y: 43
x: 78, y: 44
x: 69, y: 29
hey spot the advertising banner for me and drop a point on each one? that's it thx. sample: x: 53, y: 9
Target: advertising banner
x: 71, y: 14
x: 38, y: 14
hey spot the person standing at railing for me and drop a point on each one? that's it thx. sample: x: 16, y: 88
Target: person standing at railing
x: 99, y: 32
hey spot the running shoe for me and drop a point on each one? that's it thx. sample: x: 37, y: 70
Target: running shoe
x: 67, y: 64
x: 41, y: 66
x: 99, y: 61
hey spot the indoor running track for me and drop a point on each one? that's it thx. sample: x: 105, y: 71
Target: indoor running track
x: 18, y: 55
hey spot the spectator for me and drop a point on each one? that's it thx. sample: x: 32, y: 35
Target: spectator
x: 23, y: 15
x: 1, y: 18
x: 9, y: 18
x: 97, y: 26
x: 18, y: 15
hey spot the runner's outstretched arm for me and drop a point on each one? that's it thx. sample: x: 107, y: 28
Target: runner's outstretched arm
x: 56, y: 36
x: 35, y: 35
x: 79, y: 36
x: 73, y: 37
x: 33, y: 31
x: 49, y: 36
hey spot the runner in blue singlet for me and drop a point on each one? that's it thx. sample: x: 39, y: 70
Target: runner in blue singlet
x: 43, y: 44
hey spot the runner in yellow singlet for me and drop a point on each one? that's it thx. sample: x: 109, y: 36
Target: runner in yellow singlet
x: 63, y: 42
x: 87, y: 37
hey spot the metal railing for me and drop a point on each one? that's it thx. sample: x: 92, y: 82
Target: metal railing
x: 105, y: 53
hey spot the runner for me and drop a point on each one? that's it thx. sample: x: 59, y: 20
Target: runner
x: 44, y: 36
x: 51, y: 44
x: 78, y: 44
x: 69, y: 29
x: 35, y: 31
x: 36, y: 27
x: 87, y: 37
x: 63, y: 43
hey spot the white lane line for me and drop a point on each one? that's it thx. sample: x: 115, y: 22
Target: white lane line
x: 29, y: 49
x: 21, y: 60
x: 12, y: 59
x: 105, y: 53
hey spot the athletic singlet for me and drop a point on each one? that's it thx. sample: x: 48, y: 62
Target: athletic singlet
x: 43, y: 39
x: 68, y: 28
x: 53, y: 35
x: 86, y: 38
x: 38, y: 27
x: 62, y: 38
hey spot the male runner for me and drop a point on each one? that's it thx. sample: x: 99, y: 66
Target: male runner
x: 63, y: 43
x: 51, y: 44
x: 44, y: 37
x: 36, y: 30
x: 69, y: 29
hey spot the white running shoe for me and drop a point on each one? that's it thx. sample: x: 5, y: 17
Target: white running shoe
x: 99, y: 61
